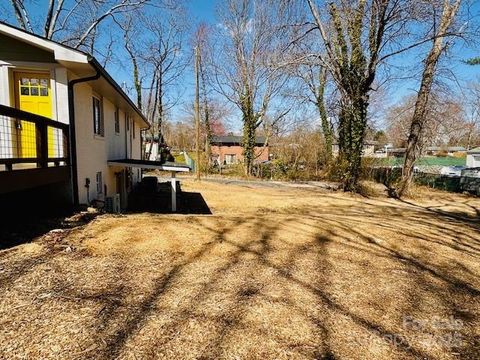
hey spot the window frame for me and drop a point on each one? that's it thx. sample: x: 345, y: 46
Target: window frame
x: 116, y: 118
x: 98, y: 129
x: 99, y: 182
x: 231, y: 157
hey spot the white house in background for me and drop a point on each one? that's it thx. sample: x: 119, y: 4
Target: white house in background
x: 368, y: 148
x: 93, y: 122
x: 473, y: 158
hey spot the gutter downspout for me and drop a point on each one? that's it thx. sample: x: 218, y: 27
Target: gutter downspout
x: 73, y: 142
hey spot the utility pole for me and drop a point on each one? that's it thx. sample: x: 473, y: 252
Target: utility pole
x: 197, y: 112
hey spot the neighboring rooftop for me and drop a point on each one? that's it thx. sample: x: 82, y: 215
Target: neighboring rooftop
x: 365, y: 142
x: 432, y: 148
x: 448, y: 148
x: 236, y: 140
x: 474, y: 151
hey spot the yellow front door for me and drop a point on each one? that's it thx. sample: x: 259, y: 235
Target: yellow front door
x: 33, y: 95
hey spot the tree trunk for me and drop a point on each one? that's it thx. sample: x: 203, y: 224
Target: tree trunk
x: 249, y: 130
x: 326, y: 126
x: 206, y: 111
x: 419, y: 114
x: 160, y: 106
x: 137, y: 82
x: 351, y: 139
x: 248, y: 142
x: 208, y: 137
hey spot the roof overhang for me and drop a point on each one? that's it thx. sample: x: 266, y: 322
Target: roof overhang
x: 61, y: 52
x: 148, y: 164
x: 106, y: 83
x: 81, y: 64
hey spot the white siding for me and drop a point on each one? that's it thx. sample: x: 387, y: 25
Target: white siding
x: 61, y: 94
x: 91, y: 149
x: 94, y: 151
x: 4, y: 84
x: 473, y: 160
x: 115, y: 141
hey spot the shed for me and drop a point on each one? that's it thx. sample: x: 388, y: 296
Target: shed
x: 473, y: 158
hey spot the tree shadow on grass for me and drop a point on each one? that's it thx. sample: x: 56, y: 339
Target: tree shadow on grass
x: 259, y: 248
x: 254, y: 259
x: 20, y: 228
x: 32, y: 228
x: 447, y: 215
x: 142, y: 311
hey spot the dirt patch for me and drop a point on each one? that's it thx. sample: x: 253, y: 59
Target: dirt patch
x: 274, y: 273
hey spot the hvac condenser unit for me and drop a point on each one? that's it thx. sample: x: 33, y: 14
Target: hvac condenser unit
x: 112, y: 204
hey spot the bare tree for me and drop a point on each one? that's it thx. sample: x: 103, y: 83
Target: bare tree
x: 201, y: 41
x: 397, y: 120
x: 315, y: 78
x: 164, y: 61
x: 472, y: 103
x: 450, y: 9
x: 299, y: 153
x: 72, y: 22
x: 354, y: 42
x: 155, y: 47
x: 131, y: 47
x: 244, y: 64
x: 314, y: 84
x: 446, y: 122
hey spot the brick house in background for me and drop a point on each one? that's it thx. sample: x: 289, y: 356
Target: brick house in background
x: 228, y: 150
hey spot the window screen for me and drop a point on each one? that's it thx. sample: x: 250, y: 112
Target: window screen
x: 117, y: 121
x: 99, y: 183
x: 98, y: 127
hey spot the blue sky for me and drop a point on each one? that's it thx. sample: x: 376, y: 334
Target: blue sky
x: 204, y: 11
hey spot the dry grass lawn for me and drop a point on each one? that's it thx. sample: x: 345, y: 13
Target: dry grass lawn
x: 273, y: 274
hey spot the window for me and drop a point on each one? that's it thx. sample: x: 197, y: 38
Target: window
x: 98, y: 127
x: 133, y: 128
x: 117, y: 121
x: 230, y: 158
x: 99, y: 183
x: 34, y: 86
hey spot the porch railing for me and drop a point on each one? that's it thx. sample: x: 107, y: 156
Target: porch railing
x: 27, y: 138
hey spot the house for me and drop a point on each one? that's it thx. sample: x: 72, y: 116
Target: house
x: 65, y: 123
x: 448, y: 150
x: 368, y: 148
x: 473, y: 158
x: 228, y: 150
x: 431, y: 151
x: 397, y: 152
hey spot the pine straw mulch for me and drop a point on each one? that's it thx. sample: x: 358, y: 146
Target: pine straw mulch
x: 273, y: 274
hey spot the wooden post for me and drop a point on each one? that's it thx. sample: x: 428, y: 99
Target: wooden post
x: 42, y: 144
x: 197, y: 112
x: 174, y: 192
